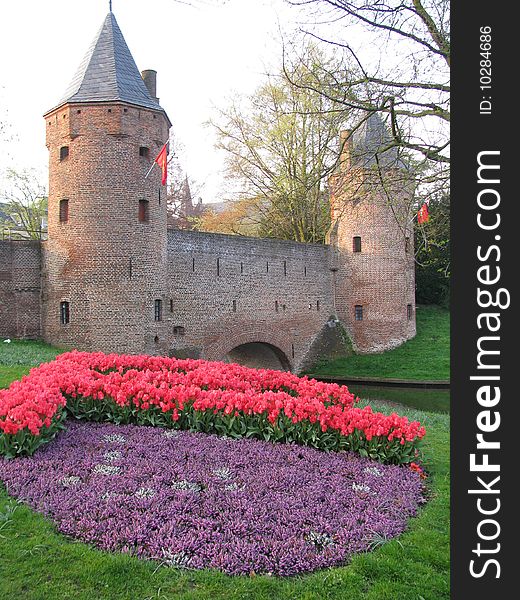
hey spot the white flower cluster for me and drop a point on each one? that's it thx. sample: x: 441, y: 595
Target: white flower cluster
x: 187, y: 486
x: 70, y: 481
x: 374, y: 471
x: 114, y: 438
x: 106, y: 469
x: 145, y: 493
x: 360, y: 487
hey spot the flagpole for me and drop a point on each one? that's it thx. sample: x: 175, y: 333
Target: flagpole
x: 153, y: 162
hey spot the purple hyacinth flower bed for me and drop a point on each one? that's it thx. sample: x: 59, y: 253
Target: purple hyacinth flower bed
x: 191, y: 500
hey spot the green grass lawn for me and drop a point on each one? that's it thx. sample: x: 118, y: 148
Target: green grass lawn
x: 37, y: 563
x: 425, y: 357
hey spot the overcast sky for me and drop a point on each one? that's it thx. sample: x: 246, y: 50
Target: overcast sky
x: 203, y: 53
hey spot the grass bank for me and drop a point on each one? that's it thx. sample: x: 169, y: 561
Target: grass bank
x: 425, y: 357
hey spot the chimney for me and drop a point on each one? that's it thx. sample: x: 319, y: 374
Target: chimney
x: 150, y: 80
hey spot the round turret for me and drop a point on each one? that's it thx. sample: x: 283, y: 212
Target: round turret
x: 105, y: 257
x: 372, y: 238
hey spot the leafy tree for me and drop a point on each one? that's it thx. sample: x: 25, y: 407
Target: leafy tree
x: 25, y: 205
x: 407, y: 79
x: 432, y: 243
x: 236, y: 218
x: 281, y: 144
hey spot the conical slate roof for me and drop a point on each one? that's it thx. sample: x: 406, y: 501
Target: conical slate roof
x: 108, y: 72
x: 370, y: 139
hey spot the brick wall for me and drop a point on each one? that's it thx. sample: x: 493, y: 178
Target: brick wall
x: 230, y: 290
x: 106, y: 263
x: 381, y: 277
x: 20, y: 288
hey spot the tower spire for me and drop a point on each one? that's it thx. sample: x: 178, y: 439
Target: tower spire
x: 109, y: 5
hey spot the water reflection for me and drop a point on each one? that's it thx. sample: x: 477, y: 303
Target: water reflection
x: 420, y: 398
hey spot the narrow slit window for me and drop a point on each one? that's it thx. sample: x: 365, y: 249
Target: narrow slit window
x: 218, y: 267
x: 64, y: 313
x: 358, y: 312
x: 285, y: 268
x: 356, y: 243
x: 158, y: 310
x: 317, y: 305
x: 143, y: 211
x: 407, y: 244
x: 171, y: 305
x: 234, y: 306
x: 64, y: 210
x: 276, y: 305
x: 64, y: 152
x: 409, y: 311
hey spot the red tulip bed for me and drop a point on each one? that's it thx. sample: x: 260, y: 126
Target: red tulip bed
x: 199, y: 396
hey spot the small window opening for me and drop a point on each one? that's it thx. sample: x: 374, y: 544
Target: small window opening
x: 64, y: 210
x: 159, y: 196
x: 409, y: 311
x: 144, y: 151
x: 64, y: 152
x: 193, y: 265
x: 358, y: 312
x: 292, y: 350
x: 158, y: 310
x: 276, y: 305
x: 171, y: 304
x: 179, y: 330
x: 317, y: 305
x: 241, y: 267
x: 156, y: 339
x: 407, y: 244
x: 305, y: 271
x: 267, y: 267
x: 285, y: 268
x: 218, y: 267
x: 78, y: 111
x: 64, y: 313
x: 125, y: 110
x: 130, y: 268
x: 143, y: 211
x: 234, y: 306
x: 109, y: 110
x: 356, y: 243
x: 283, y: 307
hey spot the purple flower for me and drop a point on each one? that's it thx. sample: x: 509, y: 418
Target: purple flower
x: 199, y: 501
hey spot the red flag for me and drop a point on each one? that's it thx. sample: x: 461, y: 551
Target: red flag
x: 423, y: 215
x: 162, y: 161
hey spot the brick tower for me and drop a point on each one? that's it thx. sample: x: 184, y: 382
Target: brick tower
x: 105, y: 260
x: 371, y: 239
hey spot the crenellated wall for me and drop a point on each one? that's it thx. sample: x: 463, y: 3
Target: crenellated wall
x: 229, y: 290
